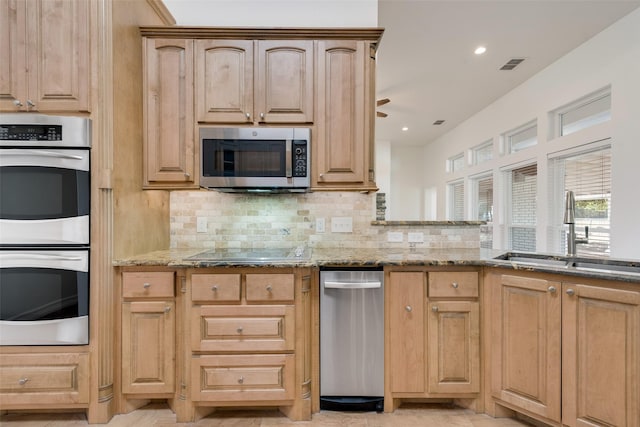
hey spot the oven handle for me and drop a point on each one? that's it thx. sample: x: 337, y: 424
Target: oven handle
x: 41, y: 153
x: 351, y: 285
x: 23, y: 256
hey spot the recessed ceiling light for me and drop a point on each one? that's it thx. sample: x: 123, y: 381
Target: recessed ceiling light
x: 404, y: 129
x: 480, y: 50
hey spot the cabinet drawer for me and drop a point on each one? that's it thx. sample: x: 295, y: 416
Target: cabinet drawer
x: 147, y: 284
x: 270, y: 287
x: 215, y: 287
x: 233, y: 378
x: 243, y: 328
x: 453, y: 284
x: 50, y: 379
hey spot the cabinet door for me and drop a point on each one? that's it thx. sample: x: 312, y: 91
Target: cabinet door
x: 58, y: 55
x: 224, y: 81
x: 168, y: 113
x: 526, y: 344
x: 13, y: 66
x: 405, y: 342
x: 284, y: 92
x: 148, y: 347
x: 600, y: 357
x: 340, y: 146
x: 454, y: 347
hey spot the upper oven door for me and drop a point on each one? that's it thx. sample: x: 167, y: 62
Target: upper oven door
x: 44, y: 297
x: 44, y: 196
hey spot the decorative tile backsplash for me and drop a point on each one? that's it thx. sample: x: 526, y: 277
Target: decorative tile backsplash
x: 209, y: 219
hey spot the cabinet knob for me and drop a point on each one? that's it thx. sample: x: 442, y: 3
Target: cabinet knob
x: 240, y: 380
x: 214, y: 288
x: 240, y: 329
x: 30, y: 103
x: 454, y: 285
x: 146, y: 285
x: 187, y: 175
x: 408, y: 308
x: 248, y: 116
x: 269, y: 288
x: 167, y: 309
x: 17, y: 103
x: 434, y: 308
x: 23, y: 381
x: 552, y: 289
x: 261, y: 116
x: 571, y: 292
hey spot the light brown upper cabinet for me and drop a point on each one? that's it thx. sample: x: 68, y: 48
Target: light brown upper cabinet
x: 343, y: 142
x: 44, y: 46
x: 169, y: 155
x: 249, y: 81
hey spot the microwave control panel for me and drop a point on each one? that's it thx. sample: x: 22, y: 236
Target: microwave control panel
x: 300, y: 158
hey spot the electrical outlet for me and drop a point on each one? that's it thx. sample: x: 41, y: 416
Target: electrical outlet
x: 342, y: 224
x: 201, y: 224
x: 395, y: 236
x: 319, y: 225
x: 415, y: 237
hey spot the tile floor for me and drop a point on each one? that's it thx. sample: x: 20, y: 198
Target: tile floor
x: 158, y: 415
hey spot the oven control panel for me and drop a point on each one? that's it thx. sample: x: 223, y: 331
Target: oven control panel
x: 31, y: 132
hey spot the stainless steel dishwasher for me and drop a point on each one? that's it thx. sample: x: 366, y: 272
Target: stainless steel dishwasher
x: 352, y: 339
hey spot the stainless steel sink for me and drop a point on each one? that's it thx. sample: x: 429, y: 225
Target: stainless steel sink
x: 572, y: 263
x: 253, y: 256
x: 606, y: 267
x: 533, y: 259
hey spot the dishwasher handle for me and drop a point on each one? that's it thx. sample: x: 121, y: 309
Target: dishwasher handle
x: 352, y: 285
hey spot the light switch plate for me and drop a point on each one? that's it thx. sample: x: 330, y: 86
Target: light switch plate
x: 342, y: 224
x: 201, y: 224
x: 319, y: 225
x: 395, y: 236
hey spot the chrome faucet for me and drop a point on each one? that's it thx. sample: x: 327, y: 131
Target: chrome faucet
x: 570, y: 220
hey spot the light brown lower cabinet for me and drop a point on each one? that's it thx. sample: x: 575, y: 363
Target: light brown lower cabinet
x: 432, y: 335
x: 565, y: 353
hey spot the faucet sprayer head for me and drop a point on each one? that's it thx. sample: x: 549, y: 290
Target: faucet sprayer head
x: 569, y: 208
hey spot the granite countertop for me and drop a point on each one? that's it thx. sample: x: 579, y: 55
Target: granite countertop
x: 352, y: 257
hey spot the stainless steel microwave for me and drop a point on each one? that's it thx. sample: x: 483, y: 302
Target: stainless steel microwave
x: 255, y: 159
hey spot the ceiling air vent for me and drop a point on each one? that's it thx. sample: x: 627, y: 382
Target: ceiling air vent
x: 438, y: 122
x: 511, y: 64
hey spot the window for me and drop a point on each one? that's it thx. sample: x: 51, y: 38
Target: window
x: 456, y: 201
x: 521, y: 138
x: 482, y: 152
x: 586, y: 112
x: 588, y: 174
x: 483, y: 207
x: 521, y: 185
x: 456, y: 163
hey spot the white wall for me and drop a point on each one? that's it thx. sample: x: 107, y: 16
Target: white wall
x: 277, y: 13
x: 610, y: 58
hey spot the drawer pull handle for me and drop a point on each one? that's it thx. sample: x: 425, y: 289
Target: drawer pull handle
x: 434, y: 308
x: 269, y: 288
x: 23, y: 381
x: 408, y: 308
x: 167, y: 309
x: 214, y: 288
x: 240, y: 380
x: 146, y: 285
x: 455, y: 285
x: 240, y: 329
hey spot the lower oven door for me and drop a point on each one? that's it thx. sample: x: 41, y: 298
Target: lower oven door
x: 44, y: 297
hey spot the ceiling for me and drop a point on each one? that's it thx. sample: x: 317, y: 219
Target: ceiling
x: 427, y: 68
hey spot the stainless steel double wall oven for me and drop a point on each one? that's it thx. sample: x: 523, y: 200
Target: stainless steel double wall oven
x: 44, y: 229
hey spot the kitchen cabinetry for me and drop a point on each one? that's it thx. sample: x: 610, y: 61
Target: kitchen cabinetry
x: 564, y: 352
x: 323, y: 79
x: 343, y: 143
x: 250, y: 339
x: 432, y: 335
x: 148, y: 333
x: 254, y: 81
x: 34, y: 380
x: 45, y: 56
x: 168, y: 140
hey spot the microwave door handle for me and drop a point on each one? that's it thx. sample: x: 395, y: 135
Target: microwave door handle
x: 41, y: 153
x: 288, y: 162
